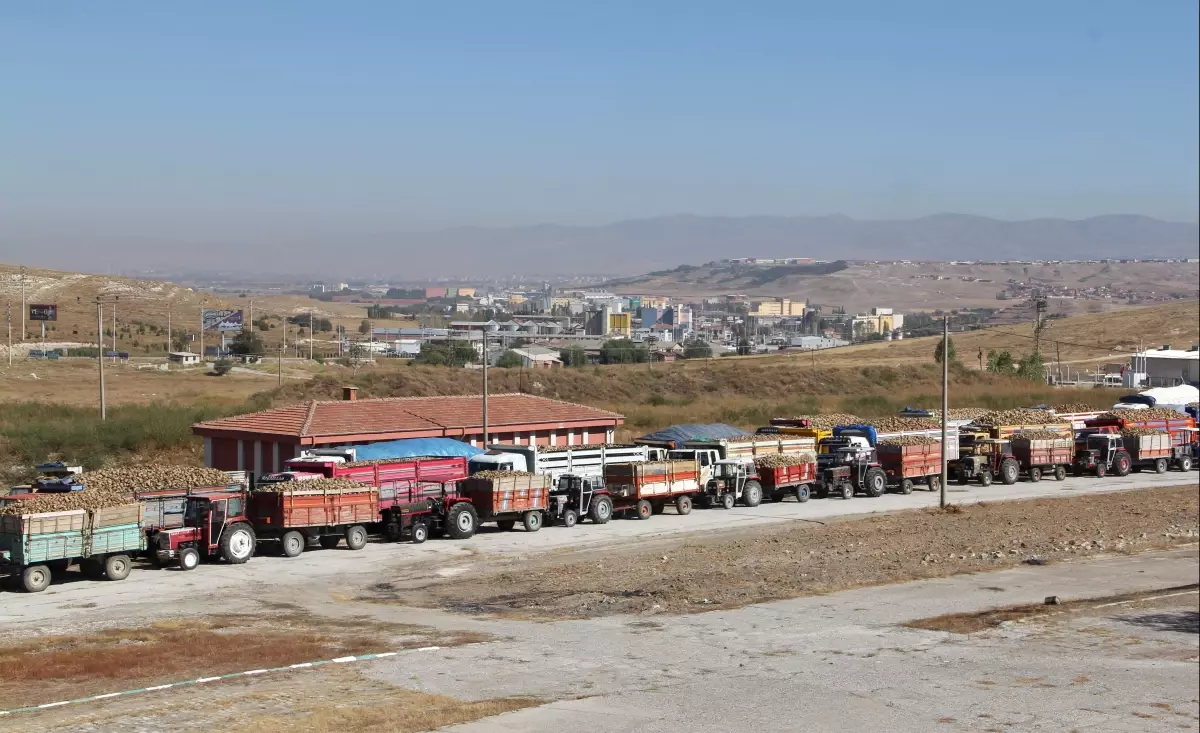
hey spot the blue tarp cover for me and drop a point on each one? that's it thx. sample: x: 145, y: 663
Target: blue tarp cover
x: 680, y: 433
x: 413, y: 447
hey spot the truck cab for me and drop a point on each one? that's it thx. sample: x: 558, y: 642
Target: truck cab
x: 213, y: 524
x: 1101, y: 453
x: 733, y: 481
x: 706, y: 457
x: 495, y: 460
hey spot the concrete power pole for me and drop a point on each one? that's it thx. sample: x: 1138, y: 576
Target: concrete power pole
x: 100, y: 354
x: 485, y: 390
x: 22, y: 303
x: 945, y: 400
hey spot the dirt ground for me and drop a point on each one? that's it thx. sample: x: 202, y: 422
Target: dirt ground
x: 810, y: 558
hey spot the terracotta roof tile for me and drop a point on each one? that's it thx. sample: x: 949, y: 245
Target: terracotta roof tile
x: 407, y: 414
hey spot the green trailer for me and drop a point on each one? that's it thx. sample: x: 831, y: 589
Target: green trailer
x: 104, y: 542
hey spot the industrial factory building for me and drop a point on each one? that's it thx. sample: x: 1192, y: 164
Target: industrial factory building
x: 262, y: 441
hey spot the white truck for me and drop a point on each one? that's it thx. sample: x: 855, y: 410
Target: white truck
x: 555, y: 461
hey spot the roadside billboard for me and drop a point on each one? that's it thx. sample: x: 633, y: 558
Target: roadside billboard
x: 217, y: 319
x: 43, y: 312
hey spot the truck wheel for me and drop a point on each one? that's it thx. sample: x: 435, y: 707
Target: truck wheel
x: 420, y: 533
x: 570, y: 518
x: 292, y: 543
x: 803, y: 493
x: 752, y: 494
x: 847, y: 490
x: 532, y: 521
x: 117, y: 567
x: 1035, y: 474
x: 935, y: 483
x: 906, y: 486
x: 1121, y: 467
x: 237, y: 544
x: 506, y: 525
x: 602, y: 510
x: 643, y: 510
x: 35, y: 578
x: 985, y: 478
x: 1160, y: 466
x: 329, y: 541
x: 1010, y: 471
x: 683, y: 505
x: 875, y: 483
x: 727, y: 500
x: 1185, y: 463
x: 461, y: 521
x: 1060, y: 473
x: 1100, y: 470
x: 356, y: 537
x: 189, y: 558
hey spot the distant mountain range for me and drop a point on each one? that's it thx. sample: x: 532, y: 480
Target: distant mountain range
x: 646, y: 244
x: 620, y: 248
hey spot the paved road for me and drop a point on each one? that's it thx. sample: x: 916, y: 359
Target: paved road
x: 159, y: 586
x: 844, y: 662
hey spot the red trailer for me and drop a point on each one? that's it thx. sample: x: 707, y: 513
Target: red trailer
x: 646, y: 488
x: 779, y: 481
x: 907, y: 465
x: 1152, y: 450
x: 1181, y: 429
x: 294, y: 515
x: 509, y: 499
x: 1044, y: 456
x: 398, y: 473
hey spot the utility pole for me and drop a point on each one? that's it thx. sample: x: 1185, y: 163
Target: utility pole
x: 22, y: 303
x: 485, y: 390
x: 310, y: 333
x: 945, y: 399
x: 100, y: 353
x: 201, y: 334
x: 114, y: 305
x: 170, y: 342
x: 279, y: 366
x: 8, y: 313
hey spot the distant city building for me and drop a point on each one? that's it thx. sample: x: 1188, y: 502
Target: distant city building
x: 778, y: 307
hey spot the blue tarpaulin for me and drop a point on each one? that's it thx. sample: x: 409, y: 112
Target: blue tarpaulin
x: 677, y: 434
x: 413, y: 447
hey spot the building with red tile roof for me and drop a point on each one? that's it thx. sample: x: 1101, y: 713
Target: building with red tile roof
x: 262, y: 441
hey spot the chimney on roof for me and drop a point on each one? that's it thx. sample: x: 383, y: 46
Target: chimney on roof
x: 349, y: 394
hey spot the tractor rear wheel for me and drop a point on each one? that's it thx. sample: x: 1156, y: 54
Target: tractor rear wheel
x: 752, y: 494
x: 237, y: 544
x: 1010, y: 471
x: 461, y: 521
x: 602, y: 510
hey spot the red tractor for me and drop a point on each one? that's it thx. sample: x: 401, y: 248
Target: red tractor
x: 214, y: 525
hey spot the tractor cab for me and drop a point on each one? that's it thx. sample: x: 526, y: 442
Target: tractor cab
x: 572, y: 497
x: 213, y: 524
x: 985, y: 460
x: 1101, y: 453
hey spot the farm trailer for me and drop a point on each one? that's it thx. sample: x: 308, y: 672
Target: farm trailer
x: 35, y: 547
x: 707, y: 453
x: 294, y: 516
x: 642, y: 488
x: 509, y: 499
x: 1038, y: 457
x: 908, y: 465
x: 779, y: 481
x: 1181, y: 429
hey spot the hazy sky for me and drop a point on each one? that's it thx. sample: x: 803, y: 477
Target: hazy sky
x: 253, y: 120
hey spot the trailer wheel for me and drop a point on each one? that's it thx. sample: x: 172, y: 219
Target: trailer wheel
x: 602, y: 510
x: 292, y: 543
x: 752, y: 494
x: 356, y: 537
x: 420, y: 533
x: 237, y: 544
x: 1160, y: 466
x: 116, y: 567
x: 803, y: 493
x: 906, y: 486
x: 189, y: 558
x: 570, y: 518
x: 1100, y: 470
x: 1185, y: 463
x: 847, y: 490
x: 329, y: 541
x: 643, y: 510
x: 506, y: 525
x: 461, y: 521
x: 35, y: 578
x: 1060, y: 473
x: 985, y: 477
x: 1035, y: 474
x: 935, y: 483
x: 532, y: 521
x: 1010, y: 471
x: 683, y: 504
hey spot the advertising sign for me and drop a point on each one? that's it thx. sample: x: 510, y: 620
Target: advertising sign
x: 222, y: 320
x: 43, y: 312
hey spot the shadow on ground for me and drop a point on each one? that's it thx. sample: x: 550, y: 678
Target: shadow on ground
x: 1183, y: 622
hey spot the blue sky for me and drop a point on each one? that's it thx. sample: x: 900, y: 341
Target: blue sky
x: 269, y: 118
